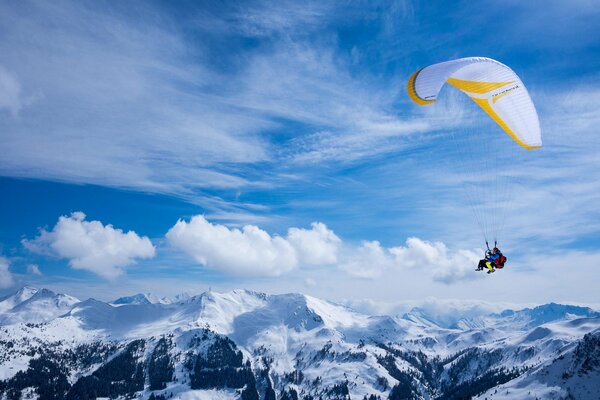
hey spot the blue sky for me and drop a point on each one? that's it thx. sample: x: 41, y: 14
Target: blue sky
x: 277, y: 115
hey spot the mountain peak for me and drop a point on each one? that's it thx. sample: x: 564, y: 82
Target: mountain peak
x: 27, y: 289
x: 16, y: 298
x: 39, y: 306
x: 43, y: 292
x: 24, y: 293
x: 139, y: 298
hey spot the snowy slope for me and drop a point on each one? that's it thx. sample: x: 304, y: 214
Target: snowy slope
x: 575, y: 373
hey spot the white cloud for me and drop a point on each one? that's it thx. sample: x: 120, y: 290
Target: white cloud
x: 418, y: 253
x: 249, y: 251
x: 92, y: 246
x: 446, y: 266
x: 34, y: 269
x: 371, y: 260
x: 318, y: 245
x: 6, y: 279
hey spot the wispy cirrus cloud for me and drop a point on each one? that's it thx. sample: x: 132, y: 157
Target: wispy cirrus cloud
x: 121, y: 106
x: 138, y: 105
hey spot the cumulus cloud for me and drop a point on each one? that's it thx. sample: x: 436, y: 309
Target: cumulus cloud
x: 34, y: 269
x: 318, y: 245
x: 246, y: 251
x: 447, y: 266
x: 370, y: 260
x: 251, y: 250
x: 92, y: 246
x: 6, y: 279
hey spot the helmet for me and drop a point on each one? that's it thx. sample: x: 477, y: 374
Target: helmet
x: 495, y: 250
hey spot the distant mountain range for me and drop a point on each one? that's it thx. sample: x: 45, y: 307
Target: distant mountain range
x: 149, y: 298
x: 248, y: 345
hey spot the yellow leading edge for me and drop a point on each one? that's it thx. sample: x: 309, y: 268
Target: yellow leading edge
x: 411, y: 91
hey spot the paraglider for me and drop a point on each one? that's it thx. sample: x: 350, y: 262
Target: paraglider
x: 501, y: 94
x: 494, y: 259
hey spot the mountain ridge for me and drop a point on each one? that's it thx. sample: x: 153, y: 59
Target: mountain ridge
x: 246, y: 344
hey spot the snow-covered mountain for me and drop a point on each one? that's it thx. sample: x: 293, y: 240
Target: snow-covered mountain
x: 249, y: 345
x: 34, y: 306
x: 140, y: 298
x: 8, y: 302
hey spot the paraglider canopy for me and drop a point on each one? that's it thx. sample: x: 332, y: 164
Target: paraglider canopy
x: 489, y: 83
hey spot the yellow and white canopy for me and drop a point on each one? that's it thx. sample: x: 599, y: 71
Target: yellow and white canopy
x: 490, y: 84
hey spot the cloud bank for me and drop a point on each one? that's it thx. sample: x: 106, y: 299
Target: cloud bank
x: 252, y: 251
x: 92, y: 246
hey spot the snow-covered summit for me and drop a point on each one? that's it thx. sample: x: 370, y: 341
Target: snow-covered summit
x: 11, y: 300
x: 178, y: 298
x: 35, y: 306
x: 140, y: 298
